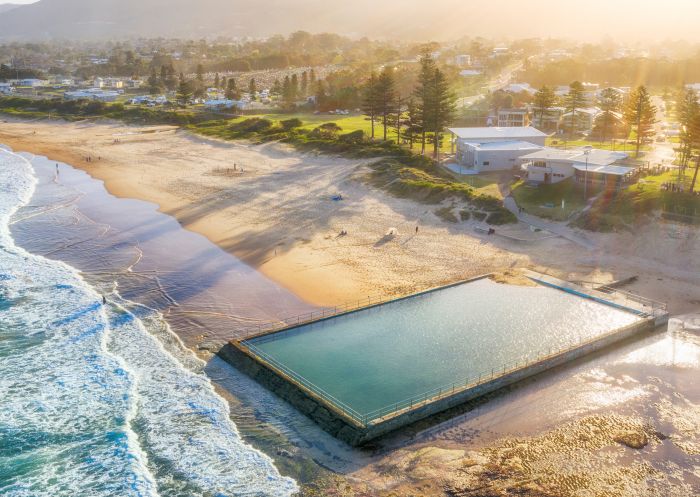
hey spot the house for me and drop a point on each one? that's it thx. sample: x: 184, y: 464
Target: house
x: 463, y: 60
x: 224, y: 103
x: 509, y: 118
x: 602, y: 167
x: 494, y: 148
x: 469, y: 73
x: 6, y: 89
x: 31, y: 82
x: 549, y: 120
x: 92, y: 94
x: 519, y: 88
x: 581, y: 121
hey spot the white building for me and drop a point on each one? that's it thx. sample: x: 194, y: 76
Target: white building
x: 92, y: 94
x: 31, y: 82
x: 552, y: 165
x: 519, y: 88
x: 494, y: 149
x: 6, y: 89
x: 470, y: 73
x: 463, y: 60
x: 511, y: 118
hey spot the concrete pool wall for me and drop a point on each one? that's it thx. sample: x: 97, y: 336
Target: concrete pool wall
x: 357, y: 429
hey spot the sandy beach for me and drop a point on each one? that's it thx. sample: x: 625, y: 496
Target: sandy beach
x: 575, y: 432
x: 273, y: 208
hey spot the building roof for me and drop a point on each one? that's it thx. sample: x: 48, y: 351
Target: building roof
x: 490, y: 133
x: 609, y: 169
x: 576, y: 156
x: 505, y: 145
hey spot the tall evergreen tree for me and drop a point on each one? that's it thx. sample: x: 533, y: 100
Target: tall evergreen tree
x: 163, y: 74
x: 574, y: 101
x: 304, y: 84
x: 386, y: 96
x: 294, y: 86
x: 687, y: 109
x: 542, y: 104
x: 153, y: 86
x: 200, y: 72
x: 231, y: 90
x: 370, y: 100
x: 609, y: 103
x: 442, y: 108
x: 423, y: 96
x: 184, y: 91
x: 252, y: 89
x: 216, y: 80
x: 640, y: 115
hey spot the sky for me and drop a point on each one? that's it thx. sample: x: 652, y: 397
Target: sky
x: 588, y: 20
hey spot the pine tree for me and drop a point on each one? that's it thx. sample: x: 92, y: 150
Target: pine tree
x: 609, y: 103
x: 442, y: 108
x: 370, y: 100
x: 320, y: 94
x: 412, y: 123
x: 184, y: 91
x: 252, y: 88
x: 231, y: 90
x: 153, y: 86
x: 543, y: 101
x: 163, y: 74
x: 200, y: 72
x: 276, y: 87
x: 216, y: 80
x: 687, y: 109
x: 574, y: 100
x: 304, y: 84
x: 385, y: 96
x: 640, y: 115
x: 294, y: 87
x: 312, y: 76
x: 287, y: 91
x: 423, y: 96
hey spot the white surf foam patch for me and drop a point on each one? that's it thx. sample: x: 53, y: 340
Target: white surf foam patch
x: 93, y: 404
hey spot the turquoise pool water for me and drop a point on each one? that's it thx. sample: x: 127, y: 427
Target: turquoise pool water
x: 380, y: 356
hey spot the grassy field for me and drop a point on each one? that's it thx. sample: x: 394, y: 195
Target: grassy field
x: 634, y: 204
x: 546, y: 200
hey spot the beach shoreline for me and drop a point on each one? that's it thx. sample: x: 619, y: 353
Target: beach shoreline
x: 272, y: 207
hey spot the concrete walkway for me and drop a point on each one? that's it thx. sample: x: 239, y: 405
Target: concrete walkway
x: 559, y: 229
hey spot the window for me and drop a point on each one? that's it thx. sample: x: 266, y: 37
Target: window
x: 486, y: 163
x: 540, y: 163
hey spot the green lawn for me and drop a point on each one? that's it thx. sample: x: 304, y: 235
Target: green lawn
x: 546, y: 200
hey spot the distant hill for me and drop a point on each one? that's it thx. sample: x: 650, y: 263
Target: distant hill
x: 407, y: 19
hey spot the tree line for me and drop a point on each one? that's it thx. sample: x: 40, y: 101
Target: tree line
x: 419, y: 117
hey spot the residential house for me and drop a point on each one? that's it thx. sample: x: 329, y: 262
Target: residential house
x: 602, y: 167
x: 582, y: 120
x: 510, y: 118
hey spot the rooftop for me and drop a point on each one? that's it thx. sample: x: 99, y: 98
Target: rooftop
x: 505, y: 145
x: 511, y: 134
x: 596, y: 157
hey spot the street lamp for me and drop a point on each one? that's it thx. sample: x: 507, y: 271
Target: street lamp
x: 586, y: 151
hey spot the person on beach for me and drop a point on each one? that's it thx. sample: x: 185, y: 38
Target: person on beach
x: 57, y: 169
x: 416, y: 230
x: 104, y: 300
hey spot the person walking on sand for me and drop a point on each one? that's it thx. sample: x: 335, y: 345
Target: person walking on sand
x: 104, y: 300
x: 57, y: 169
x: 416, y: 229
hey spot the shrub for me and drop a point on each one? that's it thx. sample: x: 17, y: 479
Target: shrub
x: 479, y: 216
x: 465, y: 215
x: 446, y: 214
x: 501, y: 216
x: 357, y: 136
x: 252, y: 125
x: 289, y: 124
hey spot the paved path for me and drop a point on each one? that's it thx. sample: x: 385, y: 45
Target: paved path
x: 559, y: 229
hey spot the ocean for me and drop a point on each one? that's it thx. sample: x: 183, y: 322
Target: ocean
x: 103, y: 398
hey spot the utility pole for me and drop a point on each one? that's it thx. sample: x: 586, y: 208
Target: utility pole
x: 586, y: 152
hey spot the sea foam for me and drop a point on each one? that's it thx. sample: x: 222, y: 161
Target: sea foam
x: 103, y: 399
